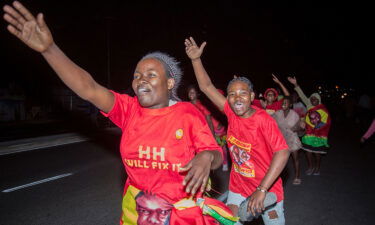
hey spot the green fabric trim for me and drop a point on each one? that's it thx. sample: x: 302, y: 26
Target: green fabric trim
x: 315, y: 141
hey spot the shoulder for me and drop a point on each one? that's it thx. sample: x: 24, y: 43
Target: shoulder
x: 187, y: 108
x: 124, y: 97
x: 261, y: 114
x: 264, y: 119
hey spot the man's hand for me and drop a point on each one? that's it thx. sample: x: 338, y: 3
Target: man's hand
x: 198, y: 172
x: 30, y: 30
x: 192, y: 49
x: 256, y: 202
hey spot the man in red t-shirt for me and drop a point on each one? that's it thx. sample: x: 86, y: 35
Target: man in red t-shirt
x: 271, y: 104
x: 258, y: 149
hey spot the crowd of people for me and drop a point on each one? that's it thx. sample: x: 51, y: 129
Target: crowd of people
x: 168, y: 146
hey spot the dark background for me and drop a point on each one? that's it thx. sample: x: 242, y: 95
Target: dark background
x: 320, y: 43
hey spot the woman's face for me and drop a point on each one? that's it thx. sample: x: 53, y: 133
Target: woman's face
x: 286, y: 104
x: 314, y: 101
x: 192, y: 94
x: 151, y: 84
x: 239, y: 98
x: 270, y: 97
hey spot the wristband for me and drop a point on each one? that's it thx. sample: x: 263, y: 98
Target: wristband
x: 261, y: 190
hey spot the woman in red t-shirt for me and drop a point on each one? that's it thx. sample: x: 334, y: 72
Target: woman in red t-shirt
x: 217, y: 129
x: 258, y: 149
x: 271, y: 104
x: 166, y: 147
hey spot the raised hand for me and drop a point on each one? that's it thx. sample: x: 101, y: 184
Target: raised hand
x: 293, y: 80
x: 30, y: 30
x: 275, y: 79
x: 192, y: 49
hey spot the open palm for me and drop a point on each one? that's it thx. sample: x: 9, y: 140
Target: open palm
x: 192, y: 49
x: 30, y: 30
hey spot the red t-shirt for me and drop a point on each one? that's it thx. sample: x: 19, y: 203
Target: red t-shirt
x: 205, y: 112
x: 270, y: 109
x: 252, y: 142
x: 155, y: 143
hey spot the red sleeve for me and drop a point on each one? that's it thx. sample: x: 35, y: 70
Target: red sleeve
x: 202, y: 138
x: 273, y: 135
x: 227, y: 109
x: 121, y: 108
x: 279, y: 104
x: 203, y: 109
x: 257, y: 103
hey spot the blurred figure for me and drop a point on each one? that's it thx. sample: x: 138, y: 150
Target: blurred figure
x: 317, y: 124
x: 370, y: 131
x: 217, y: 129
x: 271, y: 103
x: 298, y: 106
x: 364, y: 111
x: 289, y: 122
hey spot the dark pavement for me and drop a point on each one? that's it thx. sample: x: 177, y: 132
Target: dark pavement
x: 341, y: 195
x: 90, y: 195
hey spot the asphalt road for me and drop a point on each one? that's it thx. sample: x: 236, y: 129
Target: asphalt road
x: 90, y: 192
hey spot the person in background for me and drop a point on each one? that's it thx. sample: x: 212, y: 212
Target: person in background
x: 317, y: 126
x: 370, y: 131
x: 298, y: 106
x: 217, y: 129
x: 289, y: 122
x: 271, y: 103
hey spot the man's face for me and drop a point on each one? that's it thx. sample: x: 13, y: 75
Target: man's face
x: 152, y: 210
x: 314, y: 118
x: 239, y: 98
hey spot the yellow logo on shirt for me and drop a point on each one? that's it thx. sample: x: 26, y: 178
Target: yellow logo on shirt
x: 179, y: 134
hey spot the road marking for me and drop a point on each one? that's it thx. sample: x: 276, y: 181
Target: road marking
x: 37, y: 182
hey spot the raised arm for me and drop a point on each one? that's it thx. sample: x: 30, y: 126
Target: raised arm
x: 35, y: 34
x: 299, y: 91
x: 283, y: 88
x: 205, y: 85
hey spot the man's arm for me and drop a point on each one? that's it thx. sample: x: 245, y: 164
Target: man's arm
x: 205, y: 85
x: 279, y: 160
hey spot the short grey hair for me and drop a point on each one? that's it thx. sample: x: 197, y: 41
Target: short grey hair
x: 172, y: 69
x: 242, y: 79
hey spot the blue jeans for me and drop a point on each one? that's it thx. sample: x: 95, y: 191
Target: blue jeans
x: 271, y: 216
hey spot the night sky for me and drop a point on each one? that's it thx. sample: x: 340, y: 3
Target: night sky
x: 318, y: 43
